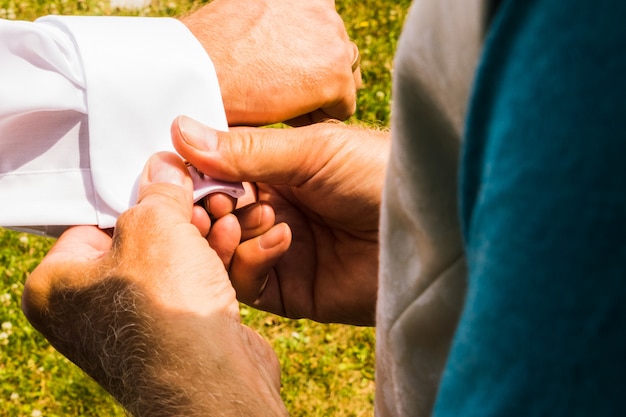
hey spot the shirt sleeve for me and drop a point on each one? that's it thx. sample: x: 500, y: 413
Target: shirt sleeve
x: 84, y: 101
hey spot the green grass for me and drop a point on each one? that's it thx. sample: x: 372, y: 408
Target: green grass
x: 328, y: 370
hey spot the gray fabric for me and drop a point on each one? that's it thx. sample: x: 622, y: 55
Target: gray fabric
x: 422, y: 276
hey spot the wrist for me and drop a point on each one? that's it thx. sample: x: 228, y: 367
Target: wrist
x: 220, y: 365
x: 219, y: 51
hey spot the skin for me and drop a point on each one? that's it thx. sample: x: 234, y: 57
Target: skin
x: 154, y: 307
x: 324, y: 182
x: 154, y: 310
x: 267, y: 74
x: 151, y: 311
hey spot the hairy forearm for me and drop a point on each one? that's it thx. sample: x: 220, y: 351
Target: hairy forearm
x: 152, y: 363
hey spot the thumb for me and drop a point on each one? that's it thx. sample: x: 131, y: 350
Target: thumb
x: 78, y: 254
x: 75, y: 254
x: 275, y: 156
x: 165, y: 187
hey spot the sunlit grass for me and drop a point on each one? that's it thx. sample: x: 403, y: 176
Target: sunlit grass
x: 328, y: 370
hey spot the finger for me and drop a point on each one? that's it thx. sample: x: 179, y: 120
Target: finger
x: 358, y: 80
x: 356, y: 67
x: 165, y: 186
x: 302, y: 120
x: 346, y: 105
x: 276, y: 156
x: 200, y: 219
x: 251, y: 266
x: 220, y: 204
x: 80, y: 242
x: 163, y: 211
x: 255, y: 219
x: 78, y: 245
x: 345, y: 108
x: 76, y: 252
x: 224, y: 237
x: 157, y: 232
x: 337, y: 112
x: 316, y: 116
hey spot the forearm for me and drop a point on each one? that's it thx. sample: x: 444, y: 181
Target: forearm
x: 156, y: 363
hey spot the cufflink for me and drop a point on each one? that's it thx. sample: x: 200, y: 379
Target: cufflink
x: 204, y: 185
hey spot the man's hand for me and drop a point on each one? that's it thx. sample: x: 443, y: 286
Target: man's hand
x: 325, y: 182
x: 150, y: 314
x: 278, y: 60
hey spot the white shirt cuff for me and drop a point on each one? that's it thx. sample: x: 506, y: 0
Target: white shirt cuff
x: 139, y: 74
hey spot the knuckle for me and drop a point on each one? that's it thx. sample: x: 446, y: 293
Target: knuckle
x: 33, y: 302
x: 161, y: 196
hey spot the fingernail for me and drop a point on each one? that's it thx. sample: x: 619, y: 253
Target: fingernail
x: 161, y: 170
x: 272, y: 237
x: 197, y: 135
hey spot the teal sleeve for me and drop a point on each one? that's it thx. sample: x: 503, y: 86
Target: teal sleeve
x: 543, y: 206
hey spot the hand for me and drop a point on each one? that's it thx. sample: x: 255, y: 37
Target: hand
x: 279, y: 59
x: 150, y: 314
x: 325, y: 182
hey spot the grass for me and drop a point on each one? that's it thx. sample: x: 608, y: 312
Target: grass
x: 328, y: 369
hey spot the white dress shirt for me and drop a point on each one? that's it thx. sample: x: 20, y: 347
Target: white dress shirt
x: 84, y: 101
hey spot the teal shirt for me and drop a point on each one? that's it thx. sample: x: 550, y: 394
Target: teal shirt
x: 543, y: 206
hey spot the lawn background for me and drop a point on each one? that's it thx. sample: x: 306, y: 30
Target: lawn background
x: 328, y: 370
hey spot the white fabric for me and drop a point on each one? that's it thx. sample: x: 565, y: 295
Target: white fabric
x: 84, y: 101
